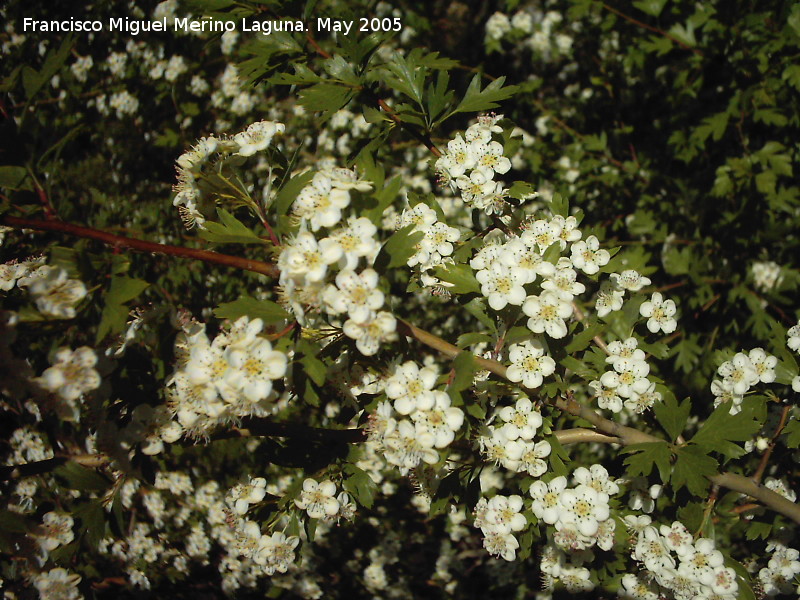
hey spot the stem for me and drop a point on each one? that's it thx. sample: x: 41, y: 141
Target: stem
x: 119, y: 241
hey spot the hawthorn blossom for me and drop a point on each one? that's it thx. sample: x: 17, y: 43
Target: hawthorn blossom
x: 659, y: 314
x: 547, y: 313
x: 318, y: 498
x: 588, y: 256
x: 529, y: 365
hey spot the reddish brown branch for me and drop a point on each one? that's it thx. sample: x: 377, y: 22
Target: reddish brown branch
x: 118, y: 241
x: 651, y: 28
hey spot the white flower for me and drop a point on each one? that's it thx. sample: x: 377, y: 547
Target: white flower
x: 529, y: 365
x: 497, y: 26
x: 356, y: 239
x: 58, y: 584
x: 489, y: 158
x: 739, y: 374
x: 441, y: 419
x: 503, y: 514
x: 320, y: 203
x: 257, y: 136
x: 630, y: 377
x: 533, y: 455
x: 547, y: 313
x: 542, y: 234
x: 72, y: 373
x: 411, y: 387
x: 502, y: 285
x: 407, y: 446
x: 370, y: 333
x: 307, y: 259
x: 56, y: 530
x: 606, y: 396
x: 793, y: 337
x: 629, y: 280
x: 356, y: 294
x: 546, y: 503
x: 499, y: 449
x: 584, y: 507
x: 764, y: 364
x: 659, y: 313
x: 651, y: 550
x: 252, y: 367
x: 564, y: 281
x: 521, y: 420
x: 587, y: 255
x: 609, y: 299
x: 596, y: 476
x: 458, y: 158
x: 636, y: 589
x: 318, y: 498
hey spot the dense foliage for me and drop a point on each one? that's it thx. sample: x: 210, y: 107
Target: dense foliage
x: 399, y: 299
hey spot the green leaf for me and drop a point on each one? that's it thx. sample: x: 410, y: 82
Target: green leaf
x: 360, y: 485
x: 385, y: 197
x: 287, y: 194
x: 461, y: 276
x: 477, y: 99
x: 722, y: 428
x: 465, y: 368
x: 792, y: 433
x: 338, y: 68
x: 673, y: 416
x: 582, y: 340
x: 468, y: 339
x: 644, y: 456
x: 326, y: 98
x: 265, y: 310
x: 230, y: 231
x: 115, y: 314
x: 692, y: 469
x: 651, y: 7
x: 12, y: 178
x: 77, y: 477
x: 477, y: 308
x: 398, y: 248
x: 757, y: 530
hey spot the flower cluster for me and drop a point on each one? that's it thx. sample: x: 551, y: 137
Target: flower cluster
x: 531, y: 29
x: 512, y: 444
x: 581, y: 515
x: 241, y: 496
x: 499, y: 519
x: 436, y: 246
x: 194, y: 166
x: 781, y: 572
x: 54, y: 293
x: 741, y: 373
x: 421, y: 422
x: 274, y: 553
x: 470, y: 164
x: 306, y: 261
x: 220, y: 380
x: 71, y: 376
x: 627, y: 380
x: 688, y: 567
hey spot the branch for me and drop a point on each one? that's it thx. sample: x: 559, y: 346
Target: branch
x: 13, y: 472
x: 651, y: 28
x: 137, y: 245
x: 621, y: 434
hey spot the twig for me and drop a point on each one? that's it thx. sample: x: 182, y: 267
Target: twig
x: 119, y: 241
x: 651, y: 28
x: 762, y: 465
